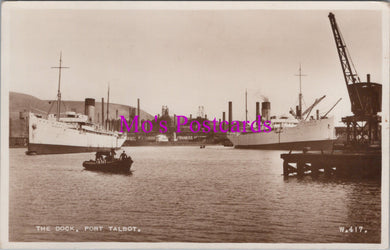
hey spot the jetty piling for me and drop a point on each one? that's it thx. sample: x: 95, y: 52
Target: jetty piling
x: 339, y: 164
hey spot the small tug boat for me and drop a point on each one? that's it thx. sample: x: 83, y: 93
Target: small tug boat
x: 106, y: 162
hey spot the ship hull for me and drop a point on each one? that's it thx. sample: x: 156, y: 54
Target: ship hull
x: 53, y: 137
x: 315, y: 134
x: 62, y: 149
x: 313, y: 145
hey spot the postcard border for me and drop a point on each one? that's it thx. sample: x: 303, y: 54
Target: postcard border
x: 4, y: 215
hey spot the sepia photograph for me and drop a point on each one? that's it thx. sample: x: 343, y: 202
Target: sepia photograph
x: 192, y: 125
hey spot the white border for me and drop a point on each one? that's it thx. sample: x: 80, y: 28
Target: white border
x: 199, y: 5
x: 385, y: 124
x: 6, y: 6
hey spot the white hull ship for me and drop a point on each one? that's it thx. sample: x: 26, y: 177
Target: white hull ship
x: 291, y: 133
x: 70, y: 133
x: 316, y: 134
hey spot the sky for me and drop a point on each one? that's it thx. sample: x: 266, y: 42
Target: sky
x: 186, y: 58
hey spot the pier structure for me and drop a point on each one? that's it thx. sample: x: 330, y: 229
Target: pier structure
x: 367, y: 164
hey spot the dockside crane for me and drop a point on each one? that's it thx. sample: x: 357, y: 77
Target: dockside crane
x: 350, y: 74
x: 365, y: 97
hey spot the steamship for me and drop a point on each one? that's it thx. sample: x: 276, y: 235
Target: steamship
x: 290, y: 133
x: 70, y: 132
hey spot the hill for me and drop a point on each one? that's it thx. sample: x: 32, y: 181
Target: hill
x: 19, y: 102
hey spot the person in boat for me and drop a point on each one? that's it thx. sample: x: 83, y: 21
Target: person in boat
x: 123, y: 155
x: 113, y: 153
x: 110, y: 156
x: 99, y: 157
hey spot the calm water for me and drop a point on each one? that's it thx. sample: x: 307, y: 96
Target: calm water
x: 187, y: 194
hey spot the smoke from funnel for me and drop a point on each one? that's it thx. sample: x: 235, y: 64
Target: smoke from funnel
x: 265, y: 99
x: 258, y: 95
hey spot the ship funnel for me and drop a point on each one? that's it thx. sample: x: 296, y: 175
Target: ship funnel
x: 230, y: 114
x: 257, y: 109
x: 90, y: 109
x: 223, y: 119
x: 265, y: 110
x: 138, y: 111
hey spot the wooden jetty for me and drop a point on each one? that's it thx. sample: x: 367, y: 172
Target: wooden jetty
x: 367, y: 164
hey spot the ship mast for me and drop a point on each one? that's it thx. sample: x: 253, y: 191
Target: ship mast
x: 299, y: 115
x: 246, y: 106
x: 108, y: 107
x: 59, y: 86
